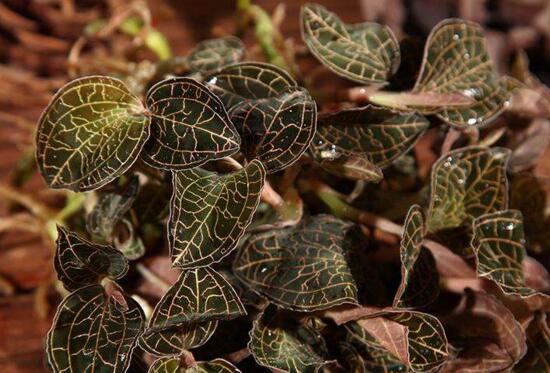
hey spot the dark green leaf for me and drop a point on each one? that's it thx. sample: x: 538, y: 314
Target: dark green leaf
x: 109, y: 210
x: 248, y: 81
x: 416, y: 339
x: 90, y: 133
x: 94, y: 332
x: 186, y: 315
x: 537, y: 358
x: 304, y: 268
x: 79, y: 262
x: 498, y: 245
x: 467, y: 183
x: 365, y: 53
x: 189, y: 126
x: 276, y: 130
x: 177, y: 339
x: 378, y: 135
x: 172, y: 365
x: 419, y: 277
x: 210, y: 212
x: 212, y: 54
x: 456, y: 60
x: 278, y: 342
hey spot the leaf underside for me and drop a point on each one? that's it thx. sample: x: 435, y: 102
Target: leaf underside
x: 248, y: 81
x: 91, y: 132
x: 189, y: 126
x: 456, y: 59
x: 79, y: 262
x: 210, y: 212
x: 365, y: 53
x: 92, y: 332
x: 303, y: 268
x: 276, y: 130
x: 279, y: 343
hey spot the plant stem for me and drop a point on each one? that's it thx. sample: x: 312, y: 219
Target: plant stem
x: 37, y: 208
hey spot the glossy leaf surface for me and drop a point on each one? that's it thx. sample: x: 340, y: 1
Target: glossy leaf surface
x: 91, y: 132
x: 456, y: 60
x: 276, y: 130
x: 199, y: 295
x: 210, y: 212
x: 303, y: 268
x: 277, y: 342
x: 248, y: 81
x: 365, y: 53
x: 175, y: 340
x: 79, y: 262
x: 212, y: 54
x: 92, y: 332
x: 467, y: 183
x: 379, y: 135
x: 498, y: 244
x: 419, y: 277
x: 110, y: 208
x: 189, y: 126
x: 172, y: 365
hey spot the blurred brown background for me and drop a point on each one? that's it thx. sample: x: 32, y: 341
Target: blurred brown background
x: 35, y: 40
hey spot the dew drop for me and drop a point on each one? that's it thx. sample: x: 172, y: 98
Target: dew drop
x: 456, y: 37
x: 263, y: 269
x: 472, y: 121
x: 466, y: 56
x: 510, y: 226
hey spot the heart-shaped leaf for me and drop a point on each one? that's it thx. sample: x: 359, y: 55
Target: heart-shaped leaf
x: 79, y: 262
x: 110, y: 208
x: 248, y: 81
x: 537, y: 358
x: 276, y: 130
x: 466, y: 183
x: 365, y: 53
x: 189, y: 126
x: 173, y: 365
x: 94, y: 332
x: 487, y: 336
x: 378, y: 135
x: 456, y: 60
x: 91, y: 132
x: 416, y: 339
x: 279, y: 343
x: 187, y: 314
x: 210, y: 212
x: 498, y: 245
x: 174, y: 341
x: 212, y: 54
x: 419, y: 277
x: 303, y: 268
x: 200, y: 294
